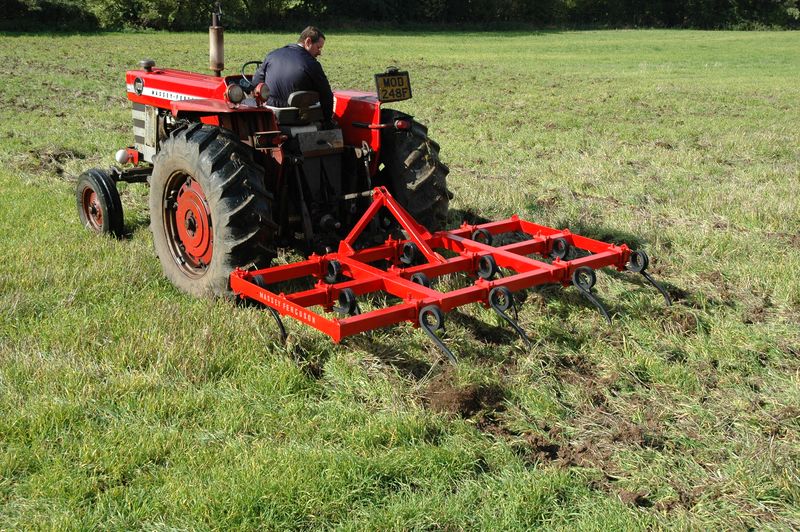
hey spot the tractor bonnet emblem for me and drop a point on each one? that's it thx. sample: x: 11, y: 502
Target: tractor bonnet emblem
x: 138, y: 86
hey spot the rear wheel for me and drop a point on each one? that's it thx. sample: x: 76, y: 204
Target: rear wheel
x: 209, y: 210
x: 415, y: 175
x: 99, y: 206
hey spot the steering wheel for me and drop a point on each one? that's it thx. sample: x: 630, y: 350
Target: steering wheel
x: 244, y: 83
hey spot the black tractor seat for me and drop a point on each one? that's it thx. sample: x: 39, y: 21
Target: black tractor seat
x: 295, y: 116
x: 304, y: 109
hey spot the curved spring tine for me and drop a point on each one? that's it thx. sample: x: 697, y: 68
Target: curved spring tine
x: 511, y: 321
x: 277, y: 318
x: 660, y: 288
x: 443, y: 348
x: 596, y: 302
x: 430, y: 331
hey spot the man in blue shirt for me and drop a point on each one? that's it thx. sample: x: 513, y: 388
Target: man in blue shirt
x: 295, y: 68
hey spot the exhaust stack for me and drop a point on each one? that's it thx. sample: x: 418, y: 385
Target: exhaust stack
x: 216, y: 44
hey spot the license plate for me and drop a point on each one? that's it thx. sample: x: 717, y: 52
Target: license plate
x: 393, y: 86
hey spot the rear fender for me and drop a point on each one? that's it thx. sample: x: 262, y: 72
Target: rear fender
x: 243, y: 119
x: 351, y: 107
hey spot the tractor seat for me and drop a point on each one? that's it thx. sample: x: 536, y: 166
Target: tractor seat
x: 304, y: 109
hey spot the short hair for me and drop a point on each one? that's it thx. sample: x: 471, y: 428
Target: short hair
x: 313, y: 32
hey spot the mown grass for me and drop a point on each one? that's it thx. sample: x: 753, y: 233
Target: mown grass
x: 124, y: 403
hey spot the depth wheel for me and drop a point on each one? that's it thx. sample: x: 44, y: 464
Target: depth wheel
x: 209, y: 209
x: 99, y: 206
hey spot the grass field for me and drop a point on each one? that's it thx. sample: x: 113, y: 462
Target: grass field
x: 126, y: 404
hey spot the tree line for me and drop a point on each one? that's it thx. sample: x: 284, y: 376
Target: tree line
x: 46, y: 15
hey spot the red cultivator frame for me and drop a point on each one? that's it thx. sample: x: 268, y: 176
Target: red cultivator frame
x: 343, y: 276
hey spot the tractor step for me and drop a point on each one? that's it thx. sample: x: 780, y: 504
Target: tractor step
x: 341, y: 277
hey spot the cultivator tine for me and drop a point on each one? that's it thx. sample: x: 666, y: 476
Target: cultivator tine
x: 258, y: 280
x: 638, y: 263
x: 431, y: 319
x: 584, y: 279
x: 277, y: 317
x: 501, y: 299
x: 660, y: 288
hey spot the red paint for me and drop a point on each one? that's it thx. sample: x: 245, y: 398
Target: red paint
x: 204, y: 95
x: 192, y: 220
x: 133, y: 156
x: 365, y: 278
x: 356, y: 106
x: 167, y: 83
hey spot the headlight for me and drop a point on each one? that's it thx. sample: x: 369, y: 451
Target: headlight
x: 235, y: 93
x: 122, y: 156
x: 262, y: 91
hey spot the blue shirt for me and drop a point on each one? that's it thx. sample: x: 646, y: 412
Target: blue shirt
x: 290, y: 69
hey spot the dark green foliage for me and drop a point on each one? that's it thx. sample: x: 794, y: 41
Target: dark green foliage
x: 45, y: 15
x: 260, y: 14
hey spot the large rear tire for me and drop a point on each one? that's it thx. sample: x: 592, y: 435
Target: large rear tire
x: 415, y: 175
x: 209, y: 209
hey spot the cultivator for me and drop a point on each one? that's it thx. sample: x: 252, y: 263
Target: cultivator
x: 407, y: 267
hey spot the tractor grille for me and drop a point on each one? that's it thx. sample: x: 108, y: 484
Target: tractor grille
x: 145, y: 121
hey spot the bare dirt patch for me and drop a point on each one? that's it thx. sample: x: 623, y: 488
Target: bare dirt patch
x: 757, y: 312
x: 789, y: 238
x: 538, y: 449
x: 680, y: 320
x: 720, y: 286
x: 482, y: 403
x: 635, y: 498
x: 52, y: 160
x: 443, y: 395
x: 783, y: 420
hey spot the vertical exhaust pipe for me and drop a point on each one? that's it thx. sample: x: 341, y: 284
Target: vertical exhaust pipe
x: 216, y: 44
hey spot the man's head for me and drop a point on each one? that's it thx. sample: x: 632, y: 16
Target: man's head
x: 312, y: 39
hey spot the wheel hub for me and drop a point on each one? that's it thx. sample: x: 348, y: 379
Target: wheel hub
x: 92, y: 209
x: 193, y: 224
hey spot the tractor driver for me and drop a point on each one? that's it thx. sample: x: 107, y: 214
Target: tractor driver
x: 295, y: 68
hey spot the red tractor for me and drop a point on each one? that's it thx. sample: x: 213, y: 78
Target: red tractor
x: 231, y: 179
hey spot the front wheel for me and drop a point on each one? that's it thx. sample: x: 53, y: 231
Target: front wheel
x: 209, y: 210
x: 99, y: 206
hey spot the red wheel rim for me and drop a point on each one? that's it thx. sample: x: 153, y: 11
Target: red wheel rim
x: 188, y: 225
x: 92, y: 210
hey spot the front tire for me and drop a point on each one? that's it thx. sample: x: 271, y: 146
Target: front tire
x: 99, y: 206
x: 209, y: 209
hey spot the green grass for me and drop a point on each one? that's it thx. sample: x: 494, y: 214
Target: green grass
x: 126, y: 404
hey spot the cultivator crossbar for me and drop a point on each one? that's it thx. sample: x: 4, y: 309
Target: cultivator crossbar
x: 343, y: 276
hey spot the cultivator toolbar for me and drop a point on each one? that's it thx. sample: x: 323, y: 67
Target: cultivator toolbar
x: 408, y: 267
